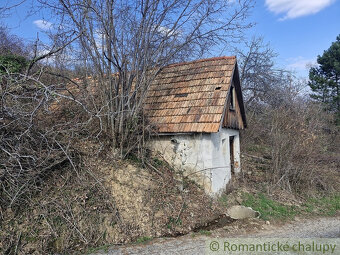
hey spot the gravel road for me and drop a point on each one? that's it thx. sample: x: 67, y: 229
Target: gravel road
x: 301, y: 228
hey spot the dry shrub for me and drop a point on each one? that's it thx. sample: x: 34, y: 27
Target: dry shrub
x: 70, y: 214
x: 294, y: 137
x: 49, y: 201
x: 296, y: 142
x: 109, y: 202
x: 37, y: 131
x: 27, y: 149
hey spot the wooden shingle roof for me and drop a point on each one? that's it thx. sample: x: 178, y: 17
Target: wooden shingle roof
x: 191, y: 96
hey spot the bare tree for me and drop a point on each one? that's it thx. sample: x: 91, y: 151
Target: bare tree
x: 260, y: 77
x: 123, y: 45
x: 11, y: 44
x: 7, y: 6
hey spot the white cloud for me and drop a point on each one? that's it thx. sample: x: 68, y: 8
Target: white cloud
x: 301, y: 63
x: 43, y: 24
x: 165, y: 31
x: 296, y: 8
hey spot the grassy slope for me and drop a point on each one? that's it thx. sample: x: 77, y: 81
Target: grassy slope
x: 254, y: 190
x: 271, y: 209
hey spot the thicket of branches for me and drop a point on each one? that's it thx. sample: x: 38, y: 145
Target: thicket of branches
x: 122, y: 45
x: 90, y: 82
x: 295, y: 138
x: 32, y: 143
x: 35, y: 129
x: 295, y: 134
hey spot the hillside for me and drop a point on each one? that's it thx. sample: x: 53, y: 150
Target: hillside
x: 108, y: 202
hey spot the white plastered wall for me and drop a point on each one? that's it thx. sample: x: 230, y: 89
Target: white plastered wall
x: 203, y: 157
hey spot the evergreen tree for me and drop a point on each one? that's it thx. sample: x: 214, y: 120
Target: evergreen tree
x: 13, y: 53
x: 12, y: 63
x: 325, y: 78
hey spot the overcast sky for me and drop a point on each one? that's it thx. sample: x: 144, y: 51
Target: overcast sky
x: 298, y: 30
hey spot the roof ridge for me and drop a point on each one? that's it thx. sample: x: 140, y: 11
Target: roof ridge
x: 201, y: 60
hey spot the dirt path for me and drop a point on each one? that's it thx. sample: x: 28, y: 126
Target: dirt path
x: 300, y: 228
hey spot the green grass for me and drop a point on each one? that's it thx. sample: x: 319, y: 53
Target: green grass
x: 158, y: 163
x: 205, y: 232
x: 257, y: 148
x: 201, y: 232
x: 172, y: 222
x: 269, y: 208
x: 327, y: 205
x: 105, y: 248
x: 223, y: 199
x: 135, y: 160
x: 143, y: 239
